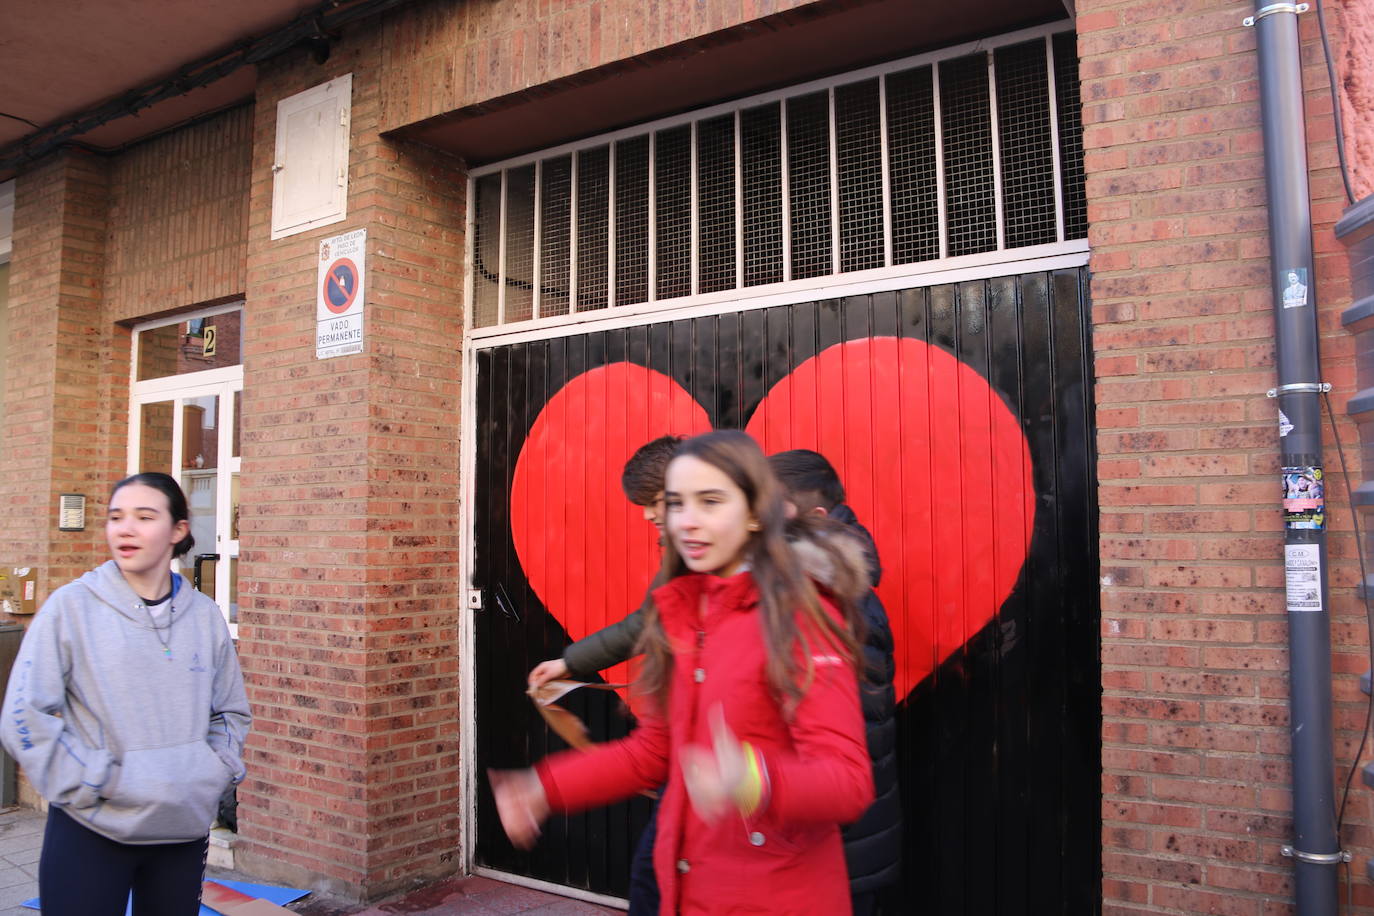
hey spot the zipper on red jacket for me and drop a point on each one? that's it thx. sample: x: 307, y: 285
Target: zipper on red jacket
x: 691, y: 732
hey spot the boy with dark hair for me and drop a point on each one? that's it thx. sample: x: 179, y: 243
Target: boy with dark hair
x: 873, y: 843
x: 642, y: 479
x: 810, y: 479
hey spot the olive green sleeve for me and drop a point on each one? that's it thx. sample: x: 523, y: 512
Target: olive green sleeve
x: 613, y: 644
x: 606, y: 647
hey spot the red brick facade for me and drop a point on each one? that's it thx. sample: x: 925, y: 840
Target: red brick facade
x: 178, y: 224
x: 64, y: 422
x: 349, y: 532
x: 349, y: 573
x: 1195, y: 745
x: 444, y: 58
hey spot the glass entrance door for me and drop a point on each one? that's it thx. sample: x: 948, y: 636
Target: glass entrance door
x: 194, y: 438
x: 185, y: 422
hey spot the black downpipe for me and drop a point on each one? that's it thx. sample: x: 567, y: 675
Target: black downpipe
x: 1316, y: 848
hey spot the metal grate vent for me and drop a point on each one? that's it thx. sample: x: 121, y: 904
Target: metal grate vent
x: 593, y: 180
x: 555, y: 235
x: 673, y: 212
x: 914, y: 176
x: 632, y: 221
x: 808, y: 174
x: 965, y: 153
x: 1070, y: 124
x: 761, y: 164
x: 1024, y: 144
x: 970, y: 189
x: 859, y: 158
x: 716, y: 229
x: 519, y: 264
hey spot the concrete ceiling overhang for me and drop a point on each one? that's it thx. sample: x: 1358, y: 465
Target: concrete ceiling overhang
x: 59, y: 60
x: 781, y: 50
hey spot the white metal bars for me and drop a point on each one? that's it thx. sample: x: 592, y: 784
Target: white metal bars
x: 940, y: 156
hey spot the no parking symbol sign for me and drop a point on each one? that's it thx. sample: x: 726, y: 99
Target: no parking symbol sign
x: 339, y: 291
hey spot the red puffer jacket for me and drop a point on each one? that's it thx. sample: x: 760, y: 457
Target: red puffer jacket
x: 787, y: 856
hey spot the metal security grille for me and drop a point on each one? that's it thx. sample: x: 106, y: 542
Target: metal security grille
x: 966, y: 153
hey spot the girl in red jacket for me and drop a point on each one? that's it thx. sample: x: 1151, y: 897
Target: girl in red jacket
x: 753, y: 720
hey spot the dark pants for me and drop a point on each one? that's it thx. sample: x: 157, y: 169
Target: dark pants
x: 643, y: 883
x: 81, y: 873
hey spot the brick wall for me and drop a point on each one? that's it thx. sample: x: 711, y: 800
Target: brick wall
x: 349, y: 570
x: 442, y: 57
x: 58, y: 409
x: 96, y: 242
x: 1195, y: 758
x: 1355, y: 22
x: 4, y: 333
x: 179, y: 218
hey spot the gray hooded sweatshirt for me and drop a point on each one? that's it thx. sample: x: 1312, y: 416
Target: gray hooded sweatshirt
x: 135, y: 740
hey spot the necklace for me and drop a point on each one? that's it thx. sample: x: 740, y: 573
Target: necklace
x: 157, y: 631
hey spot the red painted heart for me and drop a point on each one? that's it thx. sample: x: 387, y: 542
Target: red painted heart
x: 588, y: 552
x: 946, y: 492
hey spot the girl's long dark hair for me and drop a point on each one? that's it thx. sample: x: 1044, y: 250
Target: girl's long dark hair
x: 790, y: 609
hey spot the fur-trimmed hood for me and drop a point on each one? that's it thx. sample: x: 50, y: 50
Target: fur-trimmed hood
x: 841, y: 563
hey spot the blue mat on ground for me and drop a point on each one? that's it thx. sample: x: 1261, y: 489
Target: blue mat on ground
x: 278, y: 895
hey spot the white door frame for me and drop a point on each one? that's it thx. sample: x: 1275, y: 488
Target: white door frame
x: 1063, y: 255
x: 223, y: 383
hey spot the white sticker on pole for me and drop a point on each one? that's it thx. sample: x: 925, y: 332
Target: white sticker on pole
x: 1302, y: 567
x: 339, y: 295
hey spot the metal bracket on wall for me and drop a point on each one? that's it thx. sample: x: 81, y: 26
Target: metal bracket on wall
x: 1296, y: 387
x: 1315, y: 858
x: 1273, y: 8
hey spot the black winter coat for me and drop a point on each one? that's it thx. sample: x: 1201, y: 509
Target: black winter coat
x: 873, y: 843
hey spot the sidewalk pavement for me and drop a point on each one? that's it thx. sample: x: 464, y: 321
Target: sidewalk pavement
x: 21, y: 840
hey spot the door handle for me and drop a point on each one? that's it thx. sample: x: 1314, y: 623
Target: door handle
x: 202, y: 558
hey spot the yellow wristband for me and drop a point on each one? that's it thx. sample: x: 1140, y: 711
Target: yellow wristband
x: 749, y: 795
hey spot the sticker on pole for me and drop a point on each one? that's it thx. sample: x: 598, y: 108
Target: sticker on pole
x: 1304, y: 498
x: 339, y: 295
x: 1295, y: 287
x: 1302, y: 570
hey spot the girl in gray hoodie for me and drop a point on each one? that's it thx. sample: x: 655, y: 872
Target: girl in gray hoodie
x: 127, y: 712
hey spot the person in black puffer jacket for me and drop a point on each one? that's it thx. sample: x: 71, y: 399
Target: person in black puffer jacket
x: 873, y: 843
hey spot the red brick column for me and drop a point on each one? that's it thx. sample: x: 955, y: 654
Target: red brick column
x: 349, y: 530
x: 1194, y: 637
x: 60, y: 417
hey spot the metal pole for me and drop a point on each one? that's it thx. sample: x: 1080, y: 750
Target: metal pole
x: 1316, y: 848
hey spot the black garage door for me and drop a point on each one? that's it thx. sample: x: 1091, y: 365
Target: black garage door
x: 959, y: 416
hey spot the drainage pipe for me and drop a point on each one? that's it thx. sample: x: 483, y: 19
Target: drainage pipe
x: 1316, y: 848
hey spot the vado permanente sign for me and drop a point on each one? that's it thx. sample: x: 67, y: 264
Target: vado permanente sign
x: 339, y: 295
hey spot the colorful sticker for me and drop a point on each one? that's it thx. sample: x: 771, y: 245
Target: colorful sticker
x: 1303, y: 576
x: 1294, y: 287
x: 1304, y: 498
